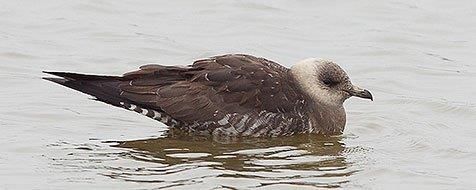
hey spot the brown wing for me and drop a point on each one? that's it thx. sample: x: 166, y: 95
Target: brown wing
x: 229, y: 95
x: 235, y: 91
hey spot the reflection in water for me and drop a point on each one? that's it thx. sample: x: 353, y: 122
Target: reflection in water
x: 416, y: 56
x: 307, y: 160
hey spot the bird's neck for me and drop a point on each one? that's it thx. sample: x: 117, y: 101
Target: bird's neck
x: 327, y: 116
x: 328, y: 120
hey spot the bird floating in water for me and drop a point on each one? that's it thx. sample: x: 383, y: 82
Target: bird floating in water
x: 232, y: 95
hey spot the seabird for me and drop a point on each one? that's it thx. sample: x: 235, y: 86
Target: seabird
x: 232, y: 95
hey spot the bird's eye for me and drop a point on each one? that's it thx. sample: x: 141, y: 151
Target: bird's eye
x: 329, y: 82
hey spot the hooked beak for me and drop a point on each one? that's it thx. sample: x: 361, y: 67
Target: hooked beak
x: 359, y: 92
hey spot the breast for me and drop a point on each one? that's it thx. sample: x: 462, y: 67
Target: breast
x: 328, y: 120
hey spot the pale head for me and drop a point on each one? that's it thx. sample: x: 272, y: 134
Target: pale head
x: 326, y: 82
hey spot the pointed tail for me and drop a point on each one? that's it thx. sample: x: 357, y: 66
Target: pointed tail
x: 103, y: 88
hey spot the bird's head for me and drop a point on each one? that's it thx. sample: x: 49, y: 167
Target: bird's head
x: 326, y: 82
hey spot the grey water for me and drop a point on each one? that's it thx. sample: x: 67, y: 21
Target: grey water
x: 417, y: 58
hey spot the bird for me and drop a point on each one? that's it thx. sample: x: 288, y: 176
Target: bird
x: 231, y: 95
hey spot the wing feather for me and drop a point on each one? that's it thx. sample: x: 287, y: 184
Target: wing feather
x: 229, y: 95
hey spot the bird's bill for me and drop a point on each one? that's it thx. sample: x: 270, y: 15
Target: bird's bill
x: 362, y: 93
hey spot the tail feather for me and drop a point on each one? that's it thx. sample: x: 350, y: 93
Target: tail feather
x: 103, y: 88
x: 107, y: 89
x: 78, y: 76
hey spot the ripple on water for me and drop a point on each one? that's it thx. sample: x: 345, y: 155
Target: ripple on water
x: 301, y: 161
x: 439, y: 106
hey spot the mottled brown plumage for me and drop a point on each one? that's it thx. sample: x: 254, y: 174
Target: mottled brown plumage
x: 231, y: 95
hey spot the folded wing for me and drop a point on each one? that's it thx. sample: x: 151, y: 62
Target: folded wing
x: 231, y: 95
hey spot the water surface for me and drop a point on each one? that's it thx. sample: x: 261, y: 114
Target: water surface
x: 417, y: 58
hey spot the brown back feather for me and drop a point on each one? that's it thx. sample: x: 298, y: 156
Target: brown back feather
x: 211, y: 88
